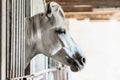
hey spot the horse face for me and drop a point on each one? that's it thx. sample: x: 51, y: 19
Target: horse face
x: 57, y: 42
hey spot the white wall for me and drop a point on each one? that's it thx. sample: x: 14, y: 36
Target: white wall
x: 100, y: 41
x: 37, y: 6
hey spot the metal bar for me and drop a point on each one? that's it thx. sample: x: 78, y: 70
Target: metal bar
x: 13, y: 40
x: 28, y: 76
x: 3, y: 48
x: 0, y: 35
x: 38, y: 74
x: 8, y: 36
x: 22, y: 37
x: 17, y: 38
x: 11, y: 70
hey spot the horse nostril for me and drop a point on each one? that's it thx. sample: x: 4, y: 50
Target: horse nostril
x: 83, y: 60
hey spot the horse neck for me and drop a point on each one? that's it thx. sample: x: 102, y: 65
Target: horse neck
x: 33, y: 37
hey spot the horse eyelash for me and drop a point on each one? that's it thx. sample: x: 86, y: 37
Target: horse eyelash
x: 60, y: 31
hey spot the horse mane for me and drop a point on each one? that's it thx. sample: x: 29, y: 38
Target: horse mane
x: 33, y: 25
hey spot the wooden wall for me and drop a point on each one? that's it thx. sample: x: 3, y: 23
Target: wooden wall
x: 95, y: 3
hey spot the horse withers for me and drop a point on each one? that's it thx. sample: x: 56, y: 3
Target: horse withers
x: 47, y: 33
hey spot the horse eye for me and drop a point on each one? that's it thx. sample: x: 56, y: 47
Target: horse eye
x: 60, y: 31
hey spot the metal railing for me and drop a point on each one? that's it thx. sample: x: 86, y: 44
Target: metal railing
x: 58, y: 74
x: 15, y: 45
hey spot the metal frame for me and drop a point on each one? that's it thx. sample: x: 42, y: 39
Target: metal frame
x: 12, y: 44
x: 15, y: 44
x: 39, y: 74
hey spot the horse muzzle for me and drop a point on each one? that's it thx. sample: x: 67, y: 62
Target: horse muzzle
x: 75, y: 61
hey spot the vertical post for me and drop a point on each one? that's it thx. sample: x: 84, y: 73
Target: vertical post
x: 0, y: 34
x: 23, y: 39
x: 3, y: 56
x: 27, y: 14
x: 8, y: 37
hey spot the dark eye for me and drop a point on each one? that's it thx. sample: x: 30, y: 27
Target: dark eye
x: 60, y: 31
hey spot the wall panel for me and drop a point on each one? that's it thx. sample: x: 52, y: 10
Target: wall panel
x: 15, y: 38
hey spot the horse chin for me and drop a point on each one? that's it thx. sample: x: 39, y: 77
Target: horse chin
x: 76, y: 66
x: 63, y: 56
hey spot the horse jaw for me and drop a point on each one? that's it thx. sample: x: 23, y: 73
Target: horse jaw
x: 65, y: 56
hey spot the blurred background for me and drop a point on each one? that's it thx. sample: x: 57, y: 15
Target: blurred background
x: 100, y: 41
x: 93, y: 24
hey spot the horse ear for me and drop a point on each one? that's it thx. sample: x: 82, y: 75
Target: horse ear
x: 61, y: 12
x: 53, y: 7
x: 49, y: 10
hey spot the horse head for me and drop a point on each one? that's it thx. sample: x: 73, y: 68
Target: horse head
x: 47, y: 33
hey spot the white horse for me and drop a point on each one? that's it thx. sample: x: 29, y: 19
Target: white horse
x: 47, y: 34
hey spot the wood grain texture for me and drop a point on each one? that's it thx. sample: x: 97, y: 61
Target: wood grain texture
x: 97, y: 15
x: 95, y: 3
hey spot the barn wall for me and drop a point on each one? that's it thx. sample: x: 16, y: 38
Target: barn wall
x: 95, y: 3
x: 100, y: 42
